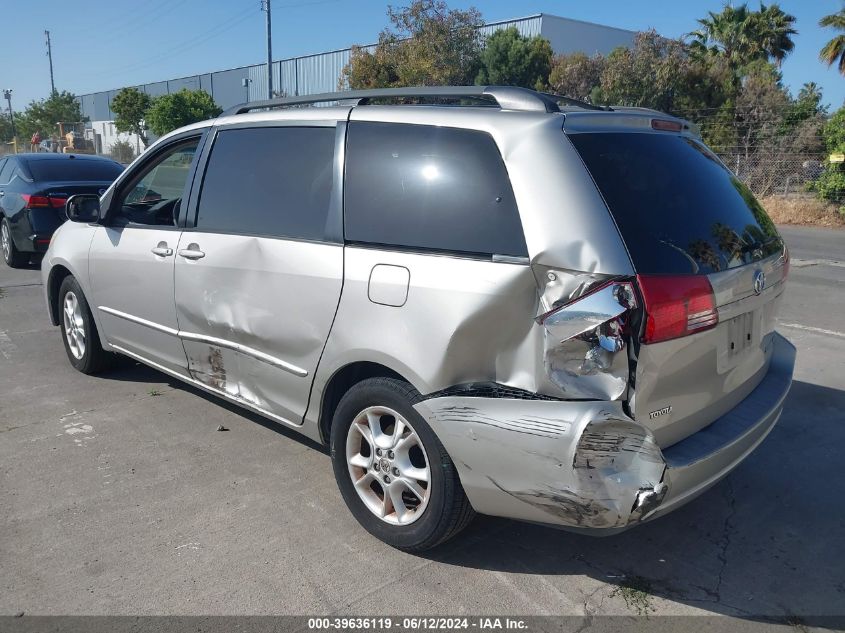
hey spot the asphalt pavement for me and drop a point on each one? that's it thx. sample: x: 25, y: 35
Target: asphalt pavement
x: 119, y: 496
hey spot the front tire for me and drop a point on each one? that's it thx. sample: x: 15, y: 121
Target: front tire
x: 392, y: 471
x: 79, y: 332
x: 11, y: 255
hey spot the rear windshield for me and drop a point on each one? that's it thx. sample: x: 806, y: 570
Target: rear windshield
x: 677, y: 207
x: 74, y: 169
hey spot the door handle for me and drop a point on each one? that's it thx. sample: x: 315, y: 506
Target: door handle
x: 192, y: 252
x: 162, y: 250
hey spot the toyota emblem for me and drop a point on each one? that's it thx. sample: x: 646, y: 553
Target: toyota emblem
x: 759, y: 282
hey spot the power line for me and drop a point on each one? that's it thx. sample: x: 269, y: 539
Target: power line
x: 215, y: 31
x: 146, y: 15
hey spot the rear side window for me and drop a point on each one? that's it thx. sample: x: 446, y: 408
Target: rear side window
x: 74, y: 169
x: 273, y: 181
x: 7, y: 166
x: 678, y: 209
x: 429, y: 188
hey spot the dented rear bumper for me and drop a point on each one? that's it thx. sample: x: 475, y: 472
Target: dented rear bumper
x: 586, y: 465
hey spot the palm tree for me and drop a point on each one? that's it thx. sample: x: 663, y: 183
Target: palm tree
x: 810, y: 92
x: 742, y: 36
x: 774, y: 31
x: 835, y: 49
x: 726, y: 34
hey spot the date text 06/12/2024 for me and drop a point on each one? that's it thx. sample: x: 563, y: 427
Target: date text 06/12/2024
x: 416, y: 623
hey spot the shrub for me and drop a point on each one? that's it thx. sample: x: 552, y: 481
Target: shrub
x: 122, y: 151
x: 831, y: 184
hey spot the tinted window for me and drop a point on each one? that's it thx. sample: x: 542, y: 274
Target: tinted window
x: 428, y: 187
x: 678, y: 209
x: 274, y: 181
x: 7, y: 166
x: 156, y: 196
x: 74, y: 169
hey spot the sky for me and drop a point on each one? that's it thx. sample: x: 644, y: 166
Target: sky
x: 109, y: 44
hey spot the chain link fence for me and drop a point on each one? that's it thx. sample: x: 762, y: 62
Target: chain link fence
x: 771, y: 173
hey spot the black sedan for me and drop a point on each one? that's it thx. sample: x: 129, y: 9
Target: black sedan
x: 33, y: 192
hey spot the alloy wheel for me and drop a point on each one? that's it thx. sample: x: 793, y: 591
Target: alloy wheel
x: 74, y: 325
x: 388, y: 465
x: 5, y: 240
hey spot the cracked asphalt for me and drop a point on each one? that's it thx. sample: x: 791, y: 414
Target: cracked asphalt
x: 119, y: 496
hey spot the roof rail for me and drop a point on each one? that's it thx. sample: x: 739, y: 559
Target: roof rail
x: 506, y: 97
x: 575, y: 102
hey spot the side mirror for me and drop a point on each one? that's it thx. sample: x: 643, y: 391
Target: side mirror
x: 83, y: 207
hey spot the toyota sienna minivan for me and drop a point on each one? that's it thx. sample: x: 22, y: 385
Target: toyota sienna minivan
x: 482, y: 299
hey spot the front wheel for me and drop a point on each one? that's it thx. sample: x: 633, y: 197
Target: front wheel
x: 392, y: 471
x: 79, y: 332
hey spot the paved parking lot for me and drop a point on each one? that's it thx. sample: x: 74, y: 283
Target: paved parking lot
x: 118, y: 495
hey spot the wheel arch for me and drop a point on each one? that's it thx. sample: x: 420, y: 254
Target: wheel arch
x: 342, y: 381
x: 57, y: 275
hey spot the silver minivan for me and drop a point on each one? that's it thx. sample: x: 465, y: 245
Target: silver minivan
x: 482, y: 299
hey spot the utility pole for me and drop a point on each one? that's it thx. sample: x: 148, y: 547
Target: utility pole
x: 265, y: 6
x: 50, y: 57
x: 7, y: 93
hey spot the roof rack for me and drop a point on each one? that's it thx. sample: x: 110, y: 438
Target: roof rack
x: 506, y: 97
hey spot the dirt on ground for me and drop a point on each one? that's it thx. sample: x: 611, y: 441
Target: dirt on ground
x: 804, y: 211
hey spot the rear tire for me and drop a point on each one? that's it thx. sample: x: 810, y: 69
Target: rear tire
x: 79, y: 332
x: 381, y: 442
x: 11, y: 255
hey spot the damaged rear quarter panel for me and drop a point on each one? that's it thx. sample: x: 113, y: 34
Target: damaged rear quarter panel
x: 575, y: 464
x: 464, y: 320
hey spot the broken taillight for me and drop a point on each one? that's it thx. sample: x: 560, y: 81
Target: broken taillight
x: 584, y: 341
x: 676, y: 306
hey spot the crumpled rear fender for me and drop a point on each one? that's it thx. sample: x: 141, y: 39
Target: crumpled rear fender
x: 575, y: 464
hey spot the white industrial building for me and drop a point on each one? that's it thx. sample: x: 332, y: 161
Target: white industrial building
x: 321, y: 72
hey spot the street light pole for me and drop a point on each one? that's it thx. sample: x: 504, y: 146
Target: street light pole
x: 7, y: 93
x: 265, y: 6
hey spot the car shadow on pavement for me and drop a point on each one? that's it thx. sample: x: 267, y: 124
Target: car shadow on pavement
x: 766, y: 542
x: 127, y: 369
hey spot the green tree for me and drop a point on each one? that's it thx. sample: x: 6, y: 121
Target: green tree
x: 576, y: 75
x: 5, y: 127
x: 831, y: 184
x: 807, y: 106
x: 834, y: 51
x: 511, y: 59
x: 834, y: 132
x: 706, y: 94
x: 760, y: 104
x: 427, y: 44
x: 172, y: 111
x: 647, y: 75
x: 743, y: 36
x: 43, y: 115
x: 367, y: 70
x: 130, y: 107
